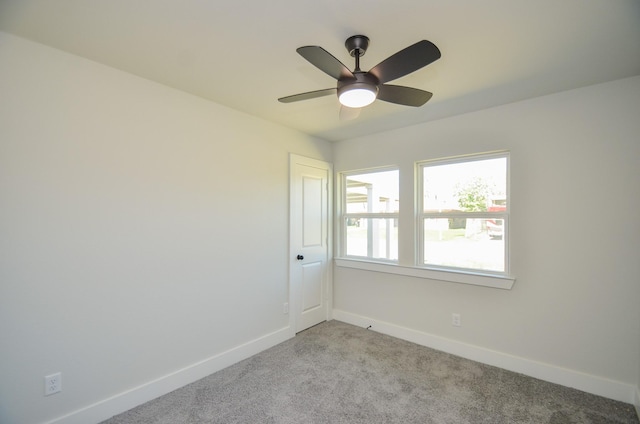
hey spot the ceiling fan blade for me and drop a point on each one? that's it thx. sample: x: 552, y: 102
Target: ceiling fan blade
x: 406, y: 61
x: 308, y: 95
x: 403, y: 95
x: 349, y: 113
x: 324, y: 61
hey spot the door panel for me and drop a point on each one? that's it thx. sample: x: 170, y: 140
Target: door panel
x: 309, y: 241
x: 312, y: 211
x: 311, y: 286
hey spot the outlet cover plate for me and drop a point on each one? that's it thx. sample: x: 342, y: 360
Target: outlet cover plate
x: 52, y: 384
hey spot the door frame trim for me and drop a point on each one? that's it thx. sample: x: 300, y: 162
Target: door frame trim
x: 304, y: 160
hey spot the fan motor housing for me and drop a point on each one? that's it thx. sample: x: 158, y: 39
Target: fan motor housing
x: 362, y: 80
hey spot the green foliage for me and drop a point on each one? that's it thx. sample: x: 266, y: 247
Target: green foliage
x: 473, y: 195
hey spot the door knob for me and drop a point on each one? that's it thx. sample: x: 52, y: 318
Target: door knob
x: 300, y: 257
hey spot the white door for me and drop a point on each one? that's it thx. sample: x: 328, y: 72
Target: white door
x: 309, y: 245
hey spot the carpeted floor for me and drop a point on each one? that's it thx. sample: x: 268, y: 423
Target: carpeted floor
x: 339, y: 373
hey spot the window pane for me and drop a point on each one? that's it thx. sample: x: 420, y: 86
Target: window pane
x: 472, y: 186
x: 464, y: 243
x: 373, y: 192
x: 372, y: 238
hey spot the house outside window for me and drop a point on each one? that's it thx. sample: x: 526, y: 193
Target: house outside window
x: 370, y: 206
x: 463, y: 218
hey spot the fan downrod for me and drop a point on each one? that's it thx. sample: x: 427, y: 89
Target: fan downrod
x: 358, y: 43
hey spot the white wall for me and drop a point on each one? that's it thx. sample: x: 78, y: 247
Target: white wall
x: 142, y: 230
x: 575, y: 197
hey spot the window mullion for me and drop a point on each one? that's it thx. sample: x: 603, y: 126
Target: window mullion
x: 393, y: 215
x: 468, y: 215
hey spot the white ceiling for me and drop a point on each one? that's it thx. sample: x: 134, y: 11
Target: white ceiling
x: 241, y: 53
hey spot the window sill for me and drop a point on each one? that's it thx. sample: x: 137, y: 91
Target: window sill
x: 494, y: 281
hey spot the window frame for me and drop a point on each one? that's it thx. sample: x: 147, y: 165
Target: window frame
x: 421, y: 215
x: 343, y: 215
x: 408, y: 225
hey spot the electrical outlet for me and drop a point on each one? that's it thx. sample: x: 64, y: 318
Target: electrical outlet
x: 52, y: 383
x: 456, y: 320
x: 285, y: 308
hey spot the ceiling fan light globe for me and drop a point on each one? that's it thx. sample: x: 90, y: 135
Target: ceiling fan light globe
x: 357, y: 97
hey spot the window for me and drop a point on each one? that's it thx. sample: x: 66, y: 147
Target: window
x: 463, y: 214
x: 460, y: 228
x: 369, y: 222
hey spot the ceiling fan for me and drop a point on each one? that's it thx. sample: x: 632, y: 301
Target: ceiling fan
x: 357, y: 88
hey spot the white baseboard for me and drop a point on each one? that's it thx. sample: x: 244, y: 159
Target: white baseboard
x: 124, y: 401
x: 588, y: 383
